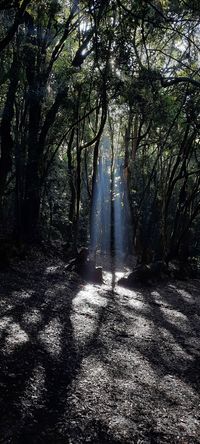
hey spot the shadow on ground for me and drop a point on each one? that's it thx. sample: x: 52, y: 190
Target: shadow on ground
x: 83, y: 363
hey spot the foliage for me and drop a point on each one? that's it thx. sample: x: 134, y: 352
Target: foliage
x: 65, y: 68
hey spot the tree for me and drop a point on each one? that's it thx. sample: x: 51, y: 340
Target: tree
x: 74, y: 71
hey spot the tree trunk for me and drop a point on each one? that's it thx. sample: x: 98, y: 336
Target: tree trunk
x: 71, y: 179
x: 94, y: 185
x: 31, y: 207
x: 6, y: 127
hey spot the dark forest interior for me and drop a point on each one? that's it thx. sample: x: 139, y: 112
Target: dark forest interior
x: 99, y: 221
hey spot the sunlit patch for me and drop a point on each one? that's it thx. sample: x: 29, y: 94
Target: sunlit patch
x: 50, y: 337
x: 4, y: 323
x: 108, y: 278
x: 130, y: 299
x: 23, y: 294
x: 119, y: 423
x: 143, y: 328
x: 60, y: 287
x: 50, y: 294
x: 158, y: 299
x: 51, y: 270
x: 132, y: 365
x: 189, y: 424
x: 86, y: 308
x: 176, y: 318
x: 83, y: 327
x: 186, y: 295
x: 15, y: 336
x: 89, y: 294
x: 97, y: 366
x: 181, y: 356
x: 92, y: 386
x: 193, y: 344
x: 99, y: 395
x: 119, y: 275
x: 5, y: 306
x: 178, y: 390
x: 155, y: 294
x: 172, y: 286
x: 54, y: 292
x: 174, y: 416
x: 122, y: 378
x: 33, y: 396
x: 166, y: 335
x: 137, y: 305
x: 32, y: 318
x: 126, y: 292
x: 176, y: 352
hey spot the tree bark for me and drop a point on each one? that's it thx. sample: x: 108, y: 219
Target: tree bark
x: 6, y: 127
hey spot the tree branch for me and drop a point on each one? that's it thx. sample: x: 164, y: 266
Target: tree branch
x: 11, y: 32
x: 166, y: 82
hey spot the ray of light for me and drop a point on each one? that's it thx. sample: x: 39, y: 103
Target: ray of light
x: 110, y: 208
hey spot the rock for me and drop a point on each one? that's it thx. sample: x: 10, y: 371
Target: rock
x: 85, y: 268
x: 154, y: 270
x: 127, y: 281
x: 178, y: 271
x: 91, y: 273
x: 159, y: 269
x: 183, y: 270
x: 68, y: 252
x: 174, y: 269
x: 79, y: 261
x: 83, y: 254
x: 145, y: 274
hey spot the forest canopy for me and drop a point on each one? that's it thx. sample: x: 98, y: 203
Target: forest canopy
x: 82, y: 78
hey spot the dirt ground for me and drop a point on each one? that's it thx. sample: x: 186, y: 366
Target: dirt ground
x: 82, y: 363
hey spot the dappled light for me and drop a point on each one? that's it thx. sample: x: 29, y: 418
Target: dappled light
x: 101, y: 360
x: 5, y: 321
x: 32, y: 318
x: 15, y: 336
x: 24, y: 294
x: 50, y: 337
x: 86, y: 309
x: 34, y: 393
x: 51, y: 270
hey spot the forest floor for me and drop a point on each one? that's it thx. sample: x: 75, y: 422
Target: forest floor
x: 82, y: 363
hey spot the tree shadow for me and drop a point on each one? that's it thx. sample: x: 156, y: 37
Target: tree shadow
x: 39, y: 354
x: 153, y: 364
x: 83, y: 363
x: 174, y: 319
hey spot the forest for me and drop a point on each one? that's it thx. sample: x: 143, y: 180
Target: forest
x: 99, y: 221
x: 84, y: 79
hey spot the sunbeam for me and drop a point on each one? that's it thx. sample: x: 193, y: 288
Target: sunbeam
x: 101, y: 208
x: 110, y: 209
